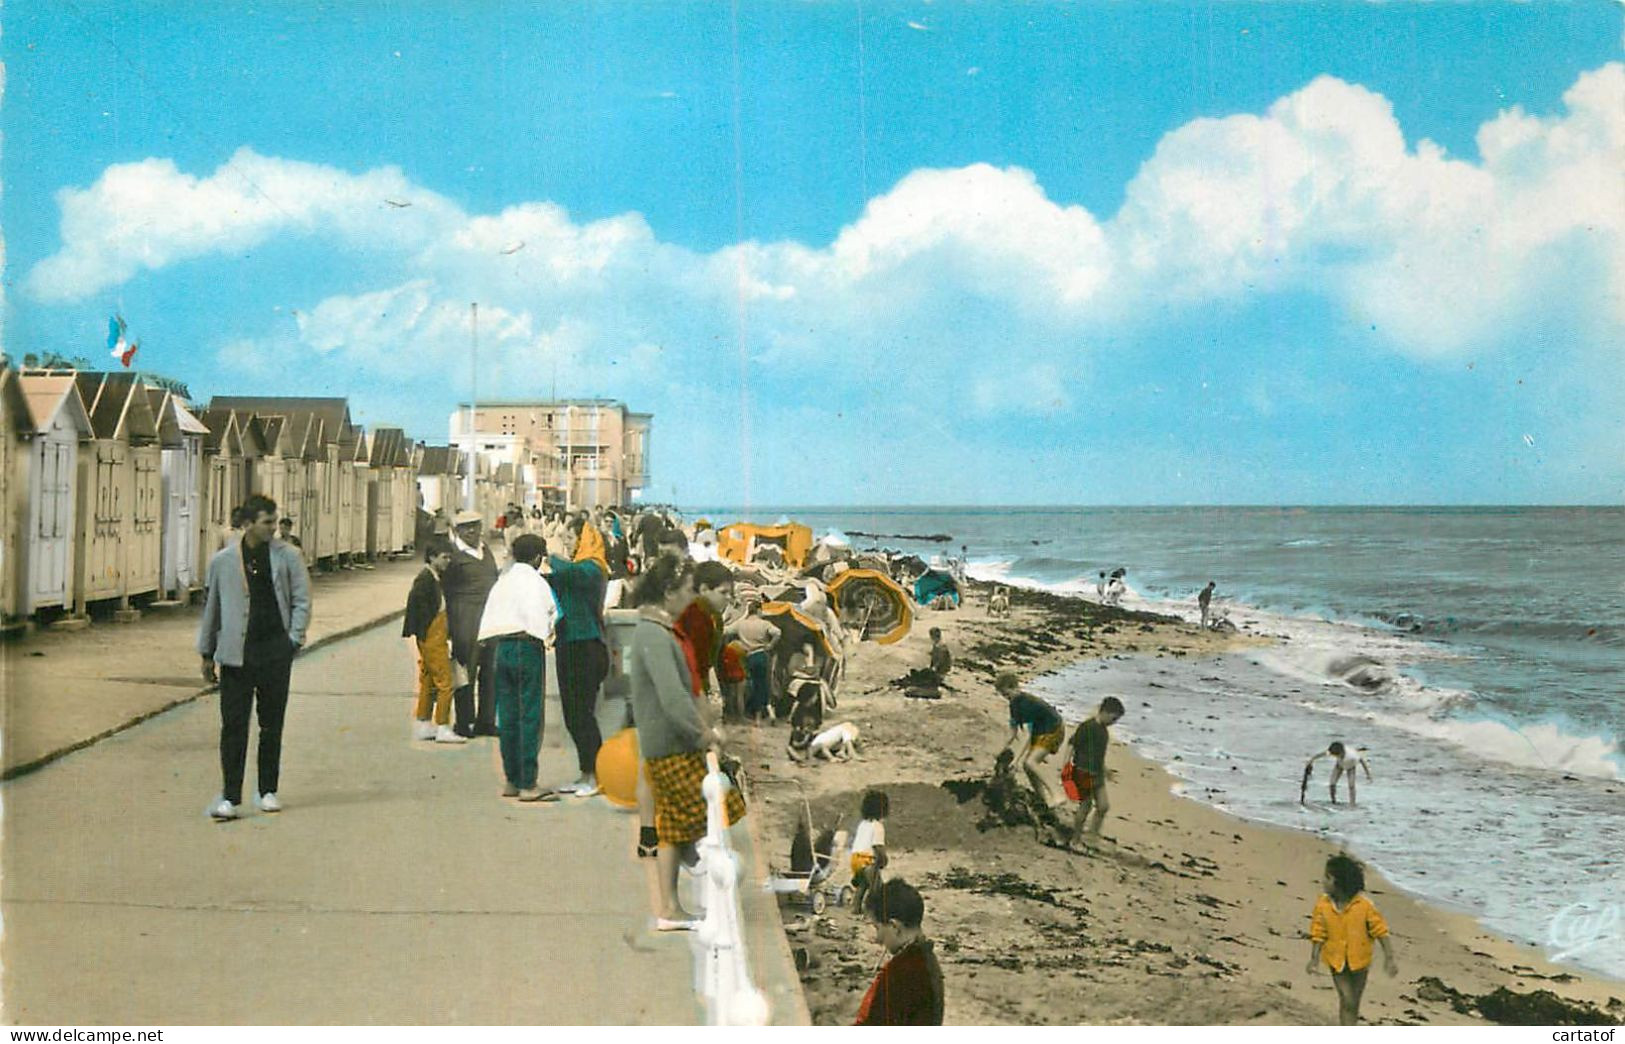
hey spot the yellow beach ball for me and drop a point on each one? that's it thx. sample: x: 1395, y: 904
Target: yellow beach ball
x: 618, y: 768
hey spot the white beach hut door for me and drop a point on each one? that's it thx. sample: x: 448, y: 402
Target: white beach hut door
x: 180, y: 503
x: 186, y: 511
x: 53, y: 520
x: 146, y: 508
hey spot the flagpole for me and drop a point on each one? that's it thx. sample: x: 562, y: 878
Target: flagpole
x: 473, y: 399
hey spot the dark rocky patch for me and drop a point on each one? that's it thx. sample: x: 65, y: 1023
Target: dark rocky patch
x: 1510, y: 1008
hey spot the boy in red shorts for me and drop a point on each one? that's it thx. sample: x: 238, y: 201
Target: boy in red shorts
x: 1084, y: 777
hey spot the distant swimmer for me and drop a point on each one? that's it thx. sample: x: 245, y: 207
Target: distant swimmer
x: 1343, y: 761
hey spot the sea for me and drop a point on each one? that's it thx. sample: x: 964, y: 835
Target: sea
x: 1476, y: 653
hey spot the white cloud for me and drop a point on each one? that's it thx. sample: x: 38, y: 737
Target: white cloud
x: 1319, y: 194
x: 149, y: 215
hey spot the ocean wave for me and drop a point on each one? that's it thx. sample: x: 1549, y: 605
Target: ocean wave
x: 1540, y: 745
x: 1508, y: 627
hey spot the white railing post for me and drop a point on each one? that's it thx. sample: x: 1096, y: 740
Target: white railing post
x: 731, y: 999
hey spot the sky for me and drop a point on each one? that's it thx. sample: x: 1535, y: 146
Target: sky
x: 904, y: 253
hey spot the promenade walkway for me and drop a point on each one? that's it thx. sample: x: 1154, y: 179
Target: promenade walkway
x: 397, y: 887
x: 62, y: 689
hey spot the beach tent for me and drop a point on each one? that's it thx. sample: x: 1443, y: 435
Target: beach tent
x: 737, y: 542
x: 796, y: 630
x: 933, y: 584
x: 872, y: 603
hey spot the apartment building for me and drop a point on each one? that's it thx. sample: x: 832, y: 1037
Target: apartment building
x: 571, y: 453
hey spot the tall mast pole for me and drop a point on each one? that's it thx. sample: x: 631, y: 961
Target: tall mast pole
x: 473, y: 399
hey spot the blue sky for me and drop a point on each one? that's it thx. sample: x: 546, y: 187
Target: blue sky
x: 910, y: 252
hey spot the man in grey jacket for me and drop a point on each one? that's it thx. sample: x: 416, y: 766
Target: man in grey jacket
x: 255, y: 615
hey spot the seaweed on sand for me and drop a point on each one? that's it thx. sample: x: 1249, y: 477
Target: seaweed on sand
x: 1510, y: 1008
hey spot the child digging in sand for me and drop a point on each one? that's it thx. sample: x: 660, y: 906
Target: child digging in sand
x: 1341, y: 929
x: 1042, y: 725
x: 869, y: 845
x: 1084, y: 777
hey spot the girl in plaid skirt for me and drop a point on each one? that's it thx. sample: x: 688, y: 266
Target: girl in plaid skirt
x: 674, y: 730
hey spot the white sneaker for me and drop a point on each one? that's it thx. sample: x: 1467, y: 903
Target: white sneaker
x: 269, y: 803
x: 445, y: 734
x: 567, y: 788
x: 585, y: 787
x: 424, y: 730
x: 223, y: 810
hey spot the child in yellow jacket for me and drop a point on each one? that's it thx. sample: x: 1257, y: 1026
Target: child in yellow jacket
x: 1341, y: 928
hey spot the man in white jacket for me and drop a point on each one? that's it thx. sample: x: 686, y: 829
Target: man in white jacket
x: 255, y: 613
x: 518, y: 624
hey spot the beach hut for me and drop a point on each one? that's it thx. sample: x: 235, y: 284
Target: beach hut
x: 310, y: 520
x: 180, y: 440
x: 268, y: 468
x: 226, y: 477
x: 391, y: 493
x: 738, y: 542
x: 439, y: 480
x: 46, y: 425
x: 342, y: 476
x: 310, y: 435
x: 118, y: 545
x: 360, y: 478
x: 404, y: 489
x: 15, y: 426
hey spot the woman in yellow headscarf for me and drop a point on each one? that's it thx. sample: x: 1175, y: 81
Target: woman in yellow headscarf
x: 583, y: 657
x: 590, y: 547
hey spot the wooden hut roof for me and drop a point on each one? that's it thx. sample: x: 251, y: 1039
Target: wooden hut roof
x: 441, y: 460
x: 120, y: 410
x: 333, y: 413
x: 268, y: 431
x: 175, y: 421
x: 389, y: 448
x: 223, y: 435
x: 13, y: 405
x: 47, y: 395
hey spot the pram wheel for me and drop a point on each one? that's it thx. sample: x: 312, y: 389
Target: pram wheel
x: 844, y: 896
x: 818, y: 902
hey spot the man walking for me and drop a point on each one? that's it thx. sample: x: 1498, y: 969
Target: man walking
x: 1204, y: 601
x: 466, y: 583
x: 518, y: 626
x: 255, y: 613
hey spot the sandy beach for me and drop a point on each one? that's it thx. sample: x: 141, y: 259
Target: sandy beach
x: 1184, y: 915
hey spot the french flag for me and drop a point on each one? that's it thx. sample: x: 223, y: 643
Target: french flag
x: 117, y: 346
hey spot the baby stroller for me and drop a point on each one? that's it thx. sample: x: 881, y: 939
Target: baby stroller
x: 813, y: 866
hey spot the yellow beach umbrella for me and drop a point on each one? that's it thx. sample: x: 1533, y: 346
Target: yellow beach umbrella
x: 871, y: 600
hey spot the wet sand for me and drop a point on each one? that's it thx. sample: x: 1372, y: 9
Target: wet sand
x: 1182, y: 915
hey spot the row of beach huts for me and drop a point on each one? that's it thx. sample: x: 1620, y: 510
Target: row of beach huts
x: 115, y: 490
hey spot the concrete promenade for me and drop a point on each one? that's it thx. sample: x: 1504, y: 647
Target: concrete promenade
x: 62, y: 689
x: 396, y: 888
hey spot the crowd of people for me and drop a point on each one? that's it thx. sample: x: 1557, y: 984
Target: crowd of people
x: 482, y: 625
